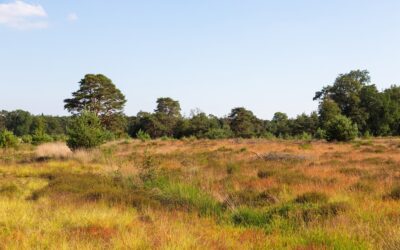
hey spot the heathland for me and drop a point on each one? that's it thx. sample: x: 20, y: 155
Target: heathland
x: 202, y: 194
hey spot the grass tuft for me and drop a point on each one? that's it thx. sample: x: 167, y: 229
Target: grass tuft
x: 312, y: 197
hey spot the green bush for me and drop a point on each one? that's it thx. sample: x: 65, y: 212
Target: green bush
x: 218, y: 133
x: 341, y: 128
x: 268, y: 136
x: 304, y: 136
x: 320, y: 134
x: 85, y: 131
x: 41, y: 138
x: 60, y: 137
x: 8, y: 139
x: 143, y: 136
x: 26, y: 139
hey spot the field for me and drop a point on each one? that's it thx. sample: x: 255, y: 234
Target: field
x: 202, y: 194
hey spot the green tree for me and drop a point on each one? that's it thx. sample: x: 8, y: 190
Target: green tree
x: 99, y: 95
x: 148, y: 123
x: 243, y: 122
x: 56, y: 125
x: 169, y: 107
x: 85, y: 131
x: 341, y: 128
x: 345, y: 92
x: 280, y: 125
x: 378, y: 121
x: 200, y: 124
x: 328, y: 109
x: 305, y: 124
x: 391, y: 100
x: 168, y: 114
x: 38, y: 128
x: 19, y: 122
x: 3, y: 120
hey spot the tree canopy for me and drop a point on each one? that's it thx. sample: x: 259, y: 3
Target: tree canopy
x: 98, y: 94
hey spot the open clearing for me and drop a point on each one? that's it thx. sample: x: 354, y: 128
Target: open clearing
x: 202, y: 194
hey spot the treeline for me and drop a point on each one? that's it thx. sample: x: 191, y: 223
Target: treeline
x: 34, y: 129
x: 351, y: 106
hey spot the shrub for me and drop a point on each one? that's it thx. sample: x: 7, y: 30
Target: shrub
x: 148, y: 168
x: 85, y: 131
x: 320, y: 134
x: 41, y: 138
x: 8, y: 139
x: 304, y: 136
x: 166, y: 138
x: 60, y: 138
x: 218, y: 133
x: 312, y: 197
x: 26, y: 139
x: 341, y: 128
x: 143, y: 136
x: 268, y: 136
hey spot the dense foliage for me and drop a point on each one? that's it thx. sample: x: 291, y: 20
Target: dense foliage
x: 85, y: 131
x: 352, y: 106
x: 8, y: 139
x: 99, y: 95
x: 341, y: 128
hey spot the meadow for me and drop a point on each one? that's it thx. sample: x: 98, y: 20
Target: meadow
x: 202, y: 194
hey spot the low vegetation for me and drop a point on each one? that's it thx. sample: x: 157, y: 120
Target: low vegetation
x: 201, y: 194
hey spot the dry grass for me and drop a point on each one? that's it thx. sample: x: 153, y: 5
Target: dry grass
x: 56, y: 150
x: 203, y: 194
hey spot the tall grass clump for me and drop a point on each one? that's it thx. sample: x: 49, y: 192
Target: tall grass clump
x: 176, y: 194
x: 312, y: 197
x: 56, y: 150
x: 251, y: 217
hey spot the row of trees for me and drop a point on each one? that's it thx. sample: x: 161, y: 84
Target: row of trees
x: 31, y: 128
x: 350, y: 107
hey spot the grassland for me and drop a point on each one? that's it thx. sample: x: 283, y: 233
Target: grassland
x: 202, y: 194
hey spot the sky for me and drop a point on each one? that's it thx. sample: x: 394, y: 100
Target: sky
x: 214, y: 55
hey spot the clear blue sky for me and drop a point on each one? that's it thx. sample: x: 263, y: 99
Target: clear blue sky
x: 213, y: 55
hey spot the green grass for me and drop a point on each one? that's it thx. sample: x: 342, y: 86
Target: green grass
x: 180, y: 195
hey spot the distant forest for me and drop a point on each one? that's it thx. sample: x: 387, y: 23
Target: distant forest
x: 352, y: 106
